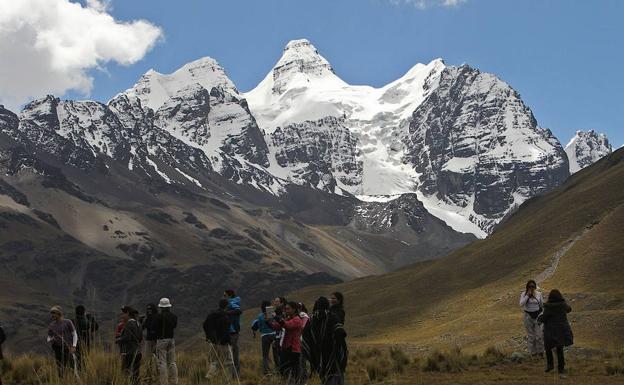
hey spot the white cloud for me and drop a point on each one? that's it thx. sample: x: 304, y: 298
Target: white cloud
x: 424, y: 4
x: 49, y: 46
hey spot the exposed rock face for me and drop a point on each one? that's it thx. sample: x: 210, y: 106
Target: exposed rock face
x: 585, y: 148
x: 477, y: 146
x: 462, y: 140
x: 323, y: 153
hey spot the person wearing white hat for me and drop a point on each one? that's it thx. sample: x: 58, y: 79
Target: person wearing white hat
x: 166, y: 322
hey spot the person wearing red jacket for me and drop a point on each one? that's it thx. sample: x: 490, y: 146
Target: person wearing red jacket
x: 290, y: 351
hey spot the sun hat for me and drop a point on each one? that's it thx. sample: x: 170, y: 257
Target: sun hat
x: 164, y: 302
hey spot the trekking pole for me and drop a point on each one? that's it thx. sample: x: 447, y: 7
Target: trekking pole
x: 234, y: 366
x: 75, y: 359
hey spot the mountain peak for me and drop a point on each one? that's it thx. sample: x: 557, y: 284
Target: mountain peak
x: 300, y: 62
x: 585, y: 148
x: 155, y: 88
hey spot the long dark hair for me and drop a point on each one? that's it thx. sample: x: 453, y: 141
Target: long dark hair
x: 555, y: 296
x: 264, y: 306
x: 531, y: 283
x: 339, y: 297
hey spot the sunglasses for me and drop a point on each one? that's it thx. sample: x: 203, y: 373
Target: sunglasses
x: 531, y: 287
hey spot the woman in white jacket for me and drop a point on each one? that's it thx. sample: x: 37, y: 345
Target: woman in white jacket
x: 532, y: 303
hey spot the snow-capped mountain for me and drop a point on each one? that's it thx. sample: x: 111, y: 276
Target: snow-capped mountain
x: 585, y: 148
x: 461, y: 139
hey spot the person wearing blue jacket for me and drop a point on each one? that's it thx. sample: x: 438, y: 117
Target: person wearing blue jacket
x: 234, y: 313
x: 267, y: 336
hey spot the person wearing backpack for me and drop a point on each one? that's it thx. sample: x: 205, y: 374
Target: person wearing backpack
x: 267, y: 335
x: 129, y: 342
x: 217, y: 330
x: 2, y: 339
x: 557, y: 330
x: 532, y: 304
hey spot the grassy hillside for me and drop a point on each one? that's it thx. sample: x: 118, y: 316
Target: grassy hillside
x: 571, y: 239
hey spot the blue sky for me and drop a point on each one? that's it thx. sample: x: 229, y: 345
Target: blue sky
x: 564, y: 57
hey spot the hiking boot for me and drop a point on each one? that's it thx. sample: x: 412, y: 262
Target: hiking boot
x: 548, y: 369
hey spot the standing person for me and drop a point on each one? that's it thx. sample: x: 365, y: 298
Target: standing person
x: 149, y: 325
x: 166, y: 322
x: 234, y: 312
x: 122, y: 321
x: 63, y: 339
x: 217, y: 330
x: 336, y: 300
x: 129, y: 342
x: 267, y: 335
x: 532, y: 303
x: 2, y: 339
x: 292, y: 325
x: 557, y: 330
x: 324, y: 344
x: 86, y: 326
x: 278, y: 305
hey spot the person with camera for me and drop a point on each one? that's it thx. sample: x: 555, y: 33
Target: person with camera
x: 290, y: 357
x: 532, y: 304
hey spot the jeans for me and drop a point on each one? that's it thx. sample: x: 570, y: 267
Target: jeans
x: 131, y: 365
x: 235, y: 351
x: 535, y: 335
x: 167, y: 367
x: 560, y: 358
x: 267, y: 344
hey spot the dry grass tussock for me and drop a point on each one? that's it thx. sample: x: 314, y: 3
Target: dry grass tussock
x: 387, y: 365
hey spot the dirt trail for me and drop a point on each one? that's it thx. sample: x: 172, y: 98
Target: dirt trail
x: 554, y: 260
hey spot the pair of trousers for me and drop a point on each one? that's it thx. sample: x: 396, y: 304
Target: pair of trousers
x: 221, y: 359
x: 131, y: 365
x: 291, y: 367
x: 235, y: 351
x: 560, y: 358
x: 267, y: 346
x: 535, y: 335
x: 62, y: 356
x: 167, y: 368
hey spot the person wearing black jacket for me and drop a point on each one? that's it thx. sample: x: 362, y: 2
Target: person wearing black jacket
x: 336, y: 301
x: 129, y: 342
x: 86, y: 326
x: 2, y: 339
x: 217, y: 330
x: 166, y: 322
x: 324, y: 344
x: 557, y: 330
x: 149, y: 326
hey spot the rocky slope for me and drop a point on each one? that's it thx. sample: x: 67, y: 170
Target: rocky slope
x: 585, y: 148
x: 462, y: 140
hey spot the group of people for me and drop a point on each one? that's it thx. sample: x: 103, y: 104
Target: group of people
x: 547, y: 325
x: 299, y: 343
